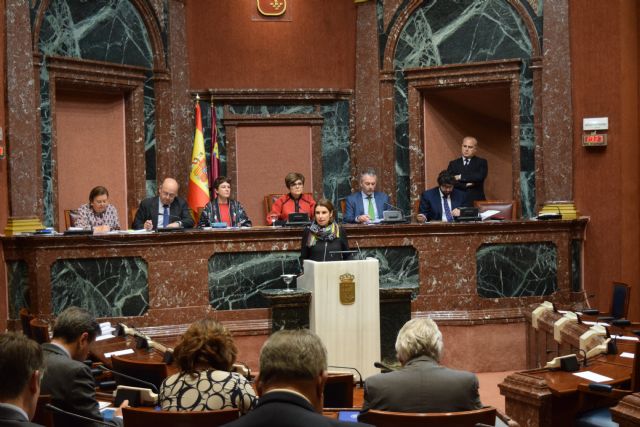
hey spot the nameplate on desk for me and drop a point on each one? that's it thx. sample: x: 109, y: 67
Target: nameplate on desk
x: 104, y: 337
x: 625, y: 338
x: 628, y: 355
x: 119, y: 352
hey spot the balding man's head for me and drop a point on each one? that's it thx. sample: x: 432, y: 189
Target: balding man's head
x: 168, y: 191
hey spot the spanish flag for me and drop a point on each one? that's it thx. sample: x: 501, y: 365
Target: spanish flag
x: 198, y: 195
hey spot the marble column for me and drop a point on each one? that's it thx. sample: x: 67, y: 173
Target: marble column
x: 557, y: 111
x: 23, y: 142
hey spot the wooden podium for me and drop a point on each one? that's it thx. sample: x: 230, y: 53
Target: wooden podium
x: 345, y: 311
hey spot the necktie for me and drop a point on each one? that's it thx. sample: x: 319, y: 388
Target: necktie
x: 372, y: 211
x: 466, y: 162
x: 165, y: 216
x: 447, y: 210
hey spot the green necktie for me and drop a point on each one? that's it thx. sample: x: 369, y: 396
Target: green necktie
x: 372, y: 211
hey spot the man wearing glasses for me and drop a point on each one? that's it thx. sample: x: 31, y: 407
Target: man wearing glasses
x: 167, y: 210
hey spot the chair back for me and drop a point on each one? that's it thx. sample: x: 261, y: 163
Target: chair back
x: 70, y: 216
x: 507, y: 208
x: 40, y: 330
x: 635, y: 373
x: 620, y: 298
x: 43, y: 416
x: 131, y: 216
x: 25, y: 320
x: 485, y: 415
x: 269, y: 200
x: 338, y: 391
x: 136, y: 417
x: 152, y: 372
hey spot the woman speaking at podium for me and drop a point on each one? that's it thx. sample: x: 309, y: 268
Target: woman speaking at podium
x: 324, y: 239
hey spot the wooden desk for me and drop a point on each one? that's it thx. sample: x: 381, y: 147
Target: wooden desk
x: 541, y: 397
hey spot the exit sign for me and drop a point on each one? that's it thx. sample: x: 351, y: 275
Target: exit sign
x: 594, y: 139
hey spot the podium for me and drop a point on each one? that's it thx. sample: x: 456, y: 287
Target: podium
x: 345, y: 311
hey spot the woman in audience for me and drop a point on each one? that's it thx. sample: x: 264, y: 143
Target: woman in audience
x: 294, y: 201
x: 98, y: 214
x: 222, y: 208
x: 205, y: 356
x: 324, y: 236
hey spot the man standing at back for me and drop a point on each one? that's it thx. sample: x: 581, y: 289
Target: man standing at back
x: 21, y: 365
x: 67, y: 379
x: 167, y: 210
x: 367, y: 204
x: 469, y: 171
x: 293, y: 371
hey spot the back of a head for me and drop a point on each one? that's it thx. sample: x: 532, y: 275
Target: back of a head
x: 206, y: 343
x: 419, y: 337
x: 292, y: 355
x: 20, y: 357
x: 446, y: 178
x: 73, y: 322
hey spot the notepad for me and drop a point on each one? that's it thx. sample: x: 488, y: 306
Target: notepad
x: 119, y: 352
x: 592, y: 376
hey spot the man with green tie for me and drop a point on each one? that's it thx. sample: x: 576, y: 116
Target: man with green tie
x: 366, y: 205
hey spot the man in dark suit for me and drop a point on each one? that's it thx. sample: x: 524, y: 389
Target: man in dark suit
x: 469, y: 171
x: 21, y: 365
x: 367, y: 204
x: 441, y: 203
x: 67, y: 379
x: 293, y: 371
x: 421, y: 385
x: 167, y: 210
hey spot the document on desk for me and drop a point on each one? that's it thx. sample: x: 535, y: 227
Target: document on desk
x: 592, y: 376
x: 488, y: 213
x: 628, y: 355
x: 626, y: 338
x: 119, y: 352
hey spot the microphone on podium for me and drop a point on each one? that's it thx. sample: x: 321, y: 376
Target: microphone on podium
x: 360, y: 380
x: 134, y: 395
x: 53, y: 408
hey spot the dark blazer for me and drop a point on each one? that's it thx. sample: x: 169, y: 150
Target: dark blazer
x: 422, y: 386
x: 72, y: 388
x: 431, y: 206
x: 211, y: 214
x: 321, y: 251
x: 355, y: 205
x: 475, y: 173
x: 10, y: 418
x: 148, y: 209
x: 283, y: 409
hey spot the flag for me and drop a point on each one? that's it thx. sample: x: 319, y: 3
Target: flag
x: 198, y: 195
x: 214, y: 171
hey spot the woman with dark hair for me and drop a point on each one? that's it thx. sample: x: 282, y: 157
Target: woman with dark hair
x: 205, y: 356
x: 324, y: 236
x: 223, y: 208
x: 98, y: 214
x: 294, y: 201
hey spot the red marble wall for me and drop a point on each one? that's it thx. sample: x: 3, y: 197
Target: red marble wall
x: 4, y: 192
x: 606, y: 180
x: 229, y: 48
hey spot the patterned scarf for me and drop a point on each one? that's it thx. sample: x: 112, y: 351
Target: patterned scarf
x: 328, y: 233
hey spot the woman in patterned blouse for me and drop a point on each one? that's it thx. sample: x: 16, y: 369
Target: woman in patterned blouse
x: 205, y: 357
x: 98, y: 214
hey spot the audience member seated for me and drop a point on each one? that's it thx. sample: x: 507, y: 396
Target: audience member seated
x: 294, y: 201
x: 167, y: 210
x: 367, y: 204
x: 324, y: 236
x: 205, y: 356
x: 21, y: 364
x: 222, y: 208
x: 293, y: 371
x: 441, y: 203
x: 421, y: 385
x: 98, y: 214
x: 67, y: 378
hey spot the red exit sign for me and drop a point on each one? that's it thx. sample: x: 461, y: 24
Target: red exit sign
x: 597, y: 139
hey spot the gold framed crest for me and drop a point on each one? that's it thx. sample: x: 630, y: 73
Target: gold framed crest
x: 347, y: 289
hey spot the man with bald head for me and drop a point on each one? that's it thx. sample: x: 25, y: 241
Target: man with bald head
x: 167, y: 210
x: 469, y: 171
